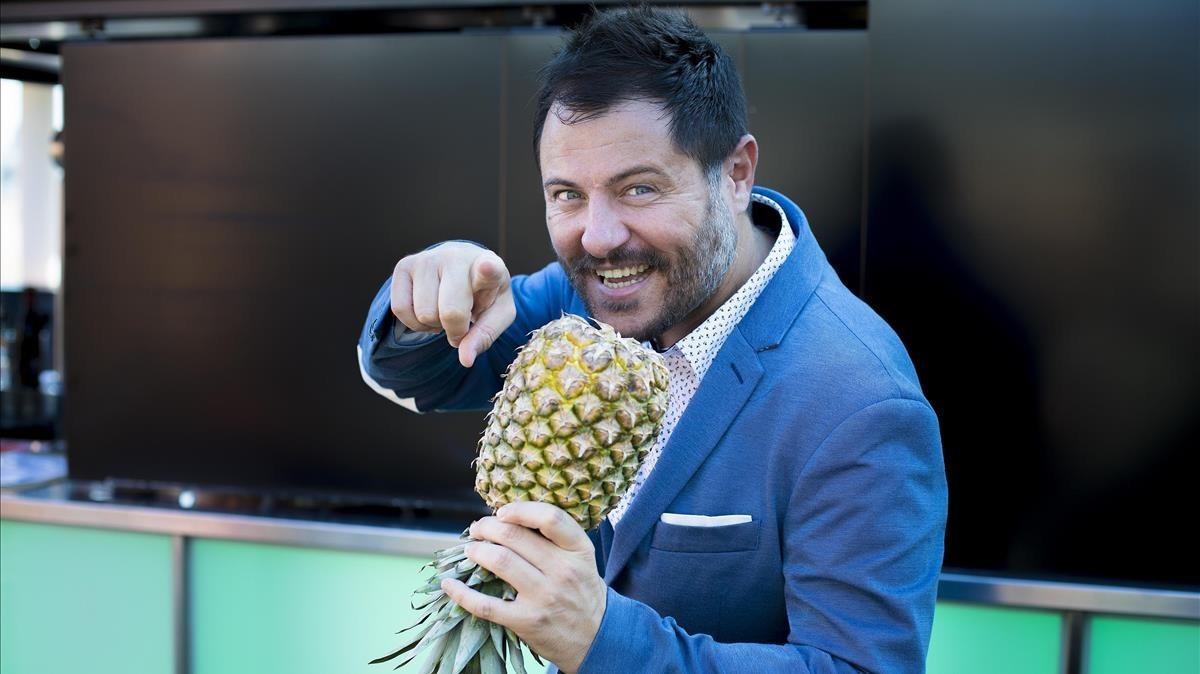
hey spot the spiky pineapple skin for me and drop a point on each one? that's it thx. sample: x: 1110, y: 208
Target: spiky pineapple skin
x: 580, y: 408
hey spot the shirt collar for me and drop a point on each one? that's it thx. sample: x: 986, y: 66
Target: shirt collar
x: 699, y: 347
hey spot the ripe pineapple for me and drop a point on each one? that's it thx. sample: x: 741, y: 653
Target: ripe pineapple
x: 579, y: 409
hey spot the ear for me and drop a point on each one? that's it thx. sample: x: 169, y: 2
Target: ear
x: 739, y: 170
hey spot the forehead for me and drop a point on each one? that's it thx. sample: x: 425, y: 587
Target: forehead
x: 634, y: 132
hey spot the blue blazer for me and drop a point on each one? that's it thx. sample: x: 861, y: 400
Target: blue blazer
x: 811, y: 421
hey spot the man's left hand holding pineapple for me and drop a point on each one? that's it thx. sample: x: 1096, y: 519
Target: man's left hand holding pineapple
x: 551, y: 563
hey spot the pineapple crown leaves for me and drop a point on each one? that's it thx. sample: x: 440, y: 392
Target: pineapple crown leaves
x: 455, y: 641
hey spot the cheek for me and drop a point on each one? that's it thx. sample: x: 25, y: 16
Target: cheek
x: 564, y: 238
x: 667, y: 230
x: 561, y: 245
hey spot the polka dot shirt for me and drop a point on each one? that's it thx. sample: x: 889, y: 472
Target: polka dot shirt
x: 689, y: 359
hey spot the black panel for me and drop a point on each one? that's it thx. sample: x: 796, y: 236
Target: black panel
x: 232, y: 207
x: 806, y: 96
x: 526, y: 242
x: 1032, y: 235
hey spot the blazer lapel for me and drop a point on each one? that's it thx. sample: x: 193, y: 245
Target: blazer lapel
x: 726, y: 387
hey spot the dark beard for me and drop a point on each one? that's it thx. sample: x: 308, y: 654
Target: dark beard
x: 692, y: 277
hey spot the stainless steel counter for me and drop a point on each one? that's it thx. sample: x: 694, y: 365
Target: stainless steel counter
x: 43, y: 506
x: 200, y: 524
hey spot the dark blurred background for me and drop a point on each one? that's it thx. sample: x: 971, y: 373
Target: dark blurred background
x: 1013, y: 186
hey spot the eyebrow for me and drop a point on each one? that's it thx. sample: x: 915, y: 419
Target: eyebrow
x: 627, y: 173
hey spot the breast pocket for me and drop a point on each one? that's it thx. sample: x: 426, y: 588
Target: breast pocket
x: 688, y: 572
x: 728, y: 538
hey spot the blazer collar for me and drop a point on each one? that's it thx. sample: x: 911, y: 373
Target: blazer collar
x: 791, y: 287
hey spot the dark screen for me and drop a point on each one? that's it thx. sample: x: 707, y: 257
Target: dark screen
x: 1033, y: 236
x: 232, y: 208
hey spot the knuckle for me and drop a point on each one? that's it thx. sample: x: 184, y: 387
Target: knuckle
x: 486, y: 337
x: 405, y: 315
x: 502, y: 558
x: 508, y: 534
x: 484, y: 610
x: 455, y: 315
x: 416, y: 262
x: 425, y: 313
x: 460, y: 248
x: 502, y: 268
x: 482, y: 528
x: 499, y: 269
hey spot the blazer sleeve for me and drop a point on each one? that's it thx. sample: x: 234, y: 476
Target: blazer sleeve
x: 863, y: 538
x: 421, y: 371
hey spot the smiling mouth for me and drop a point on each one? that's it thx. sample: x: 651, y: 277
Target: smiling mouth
x: 623, y: 277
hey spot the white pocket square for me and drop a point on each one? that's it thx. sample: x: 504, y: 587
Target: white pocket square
x: 703, y: 520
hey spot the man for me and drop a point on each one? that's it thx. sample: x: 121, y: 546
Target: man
x: 794, y: 409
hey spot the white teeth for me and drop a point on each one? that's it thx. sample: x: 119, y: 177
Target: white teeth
x: 626, y: 271
x: 610, y: 276
x: 621, y: 284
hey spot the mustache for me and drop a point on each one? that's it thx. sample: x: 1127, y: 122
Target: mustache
x: 587, y: 264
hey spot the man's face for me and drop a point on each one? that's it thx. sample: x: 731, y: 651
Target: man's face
x: 643, y: 235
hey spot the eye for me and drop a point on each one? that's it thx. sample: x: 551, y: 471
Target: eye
x: 567, y: 195
x: 640, y: 190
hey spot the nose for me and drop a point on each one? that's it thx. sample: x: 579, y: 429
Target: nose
x: 603, y: 231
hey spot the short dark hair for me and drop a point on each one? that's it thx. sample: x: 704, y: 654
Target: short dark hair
x: 643, y: 53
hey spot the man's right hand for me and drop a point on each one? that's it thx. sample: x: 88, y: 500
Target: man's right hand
x: 458, y: 288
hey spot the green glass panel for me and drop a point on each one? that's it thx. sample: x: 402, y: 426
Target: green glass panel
x: 273, y: 609
x: 993, y: 640
x: 84, y: 600
x: 1119, y: 645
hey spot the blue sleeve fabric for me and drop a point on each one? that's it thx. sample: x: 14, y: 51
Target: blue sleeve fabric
x: 426, y: 370
x: 861, y: 569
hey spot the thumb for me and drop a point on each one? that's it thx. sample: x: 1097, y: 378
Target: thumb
x: 487, y: 328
